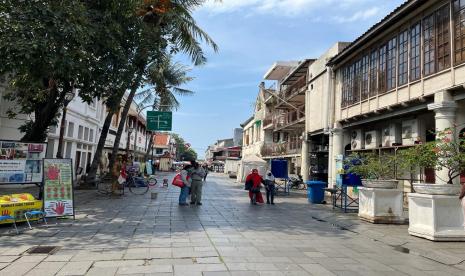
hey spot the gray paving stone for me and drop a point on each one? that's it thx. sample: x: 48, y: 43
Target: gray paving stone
x: 75, y: 268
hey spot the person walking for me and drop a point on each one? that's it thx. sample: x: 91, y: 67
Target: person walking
x: 205, y: 168
x: 269, y: 187
x: 255, y: 181
x: 186, y: 179
x: 198, y: 175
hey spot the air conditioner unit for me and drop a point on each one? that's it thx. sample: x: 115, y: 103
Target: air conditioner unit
x: 356, y: 139
x: 412, y: 131
x: 371, y: 139
x: 391, y: 134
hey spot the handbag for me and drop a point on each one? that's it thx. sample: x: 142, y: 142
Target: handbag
x: 255, y: 190
x: 248, y: 185
x: 177, y: 181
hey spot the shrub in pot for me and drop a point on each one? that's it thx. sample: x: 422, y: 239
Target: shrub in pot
x: 446, y: 154
x: 376, y: 171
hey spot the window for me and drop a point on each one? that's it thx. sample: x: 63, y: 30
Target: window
x: 91, y: 135
x: 65, y: 127
x: 80, y: 132
x: 86, y: 134
x: 50, y: 148
x: 391, y: 63
x: 443, y: 37
x: 428, y: 45
x: 69, y: 146
x: 382, y: 69
x: 364, y: 85
x: 357, y: 81
x: 373, y: 73
x: 350, y: 91
x: 415, y: 46
x: 70, y: 129
x: 459, y: 22
x: 403, y: 58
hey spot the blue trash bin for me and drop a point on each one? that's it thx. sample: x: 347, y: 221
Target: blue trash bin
x: 315, y: 191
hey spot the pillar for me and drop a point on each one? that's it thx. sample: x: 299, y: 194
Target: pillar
x: 337, y: 149
x: 305, y: 166
x: 444, y: 108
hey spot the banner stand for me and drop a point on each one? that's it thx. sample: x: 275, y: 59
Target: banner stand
x: 58, y: 190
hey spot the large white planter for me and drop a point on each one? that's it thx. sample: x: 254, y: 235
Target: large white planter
x: 381, y: 205
x: 436, y: 217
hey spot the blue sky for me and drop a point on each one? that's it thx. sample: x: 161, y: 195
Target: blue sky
x: 252, y: 35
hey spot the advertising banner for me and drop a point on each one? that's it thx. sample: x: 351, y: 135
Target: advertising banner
x: 58, y: 187
x: 21, y: 162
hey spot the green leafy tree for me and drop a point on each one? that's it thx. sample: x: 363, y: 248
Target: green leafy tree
x: 172, y: 22
x: 189, y: 155
x: 162, y: 86
x: 44, y: 56
x: 180, y: 145
x: 371, y: 166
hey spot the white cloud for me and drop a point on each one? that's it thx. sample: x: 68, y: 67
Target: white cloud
x: 360, y: 15
x: 298, y: 7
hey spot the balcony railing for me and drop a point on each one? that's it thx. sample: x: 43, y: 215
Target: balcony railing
x: 293, y: 146
x: 289, y: 118
x: 295, y: 88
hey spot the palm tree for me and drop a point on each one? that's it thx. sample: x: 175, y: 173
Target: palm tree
x: 170, y: 20
x: 163, y: 85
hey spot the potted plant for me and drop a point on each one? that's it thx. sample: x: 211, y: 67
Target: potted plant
x: 435, y: 212
x: 376, y: 171
x: 445, y: 155
x: 379, y: 200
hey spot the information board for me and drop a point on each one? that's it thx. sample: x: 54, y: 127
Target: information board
x: 58, y: 187
x: 21, y: 162
x: 159, y: 120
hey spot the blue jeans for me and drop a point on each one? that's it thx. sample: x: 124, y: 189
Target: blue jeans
x: 184, y: 194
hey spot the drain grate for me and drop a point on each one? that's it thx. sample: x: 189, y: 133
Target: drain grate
x: 43, y: 250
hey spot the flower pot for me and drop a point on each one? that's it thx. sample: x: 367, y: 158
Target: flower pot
x: 436, y: 217
x: 381, y: 205
x: 381, y: 184
x: 436, y: 189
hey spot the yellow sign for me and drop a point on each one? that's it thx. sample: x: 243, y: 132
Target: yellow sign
x: 16, y: 205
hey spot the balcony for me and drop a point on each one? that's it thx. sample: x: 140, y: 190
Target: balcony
x: 291, y: 119
x: 297, y: 88
x: 291, y: 147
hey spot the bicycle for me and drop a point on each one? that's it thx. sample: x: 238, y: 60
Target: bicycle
x: 139, y: 185
x: 136, y: 185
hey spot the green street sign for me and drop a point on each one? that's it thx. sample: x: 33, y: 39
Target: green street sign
x: 159, y: 120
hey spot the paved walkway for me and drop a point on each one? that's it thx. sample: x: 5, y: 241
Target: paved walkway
x: 225, y: 236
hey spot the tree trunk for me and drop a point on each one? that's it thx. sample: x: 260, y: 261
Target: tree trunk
x: 149, y: 147
x: 91, y: 175
x: 124, y: 116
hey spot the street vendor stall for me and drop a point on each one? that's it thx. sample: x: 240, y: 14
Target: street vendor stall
x: 16, y: 205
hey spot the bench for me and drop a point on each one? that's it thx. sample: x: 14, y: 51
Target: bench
x: 8, y: 217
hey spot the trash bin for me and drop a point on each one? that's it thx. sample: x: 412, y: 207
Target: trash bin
x: 315, y: 191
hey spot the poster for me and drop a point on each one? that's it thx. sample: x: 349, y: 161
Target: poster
x: 21, y: 162
x: 58, y: 187
x: 16, y: 205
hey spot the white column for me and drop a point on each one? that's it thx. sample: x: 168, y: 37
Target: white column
x: 444, y: 108
x: 304, y: 168
x: 337, y: 149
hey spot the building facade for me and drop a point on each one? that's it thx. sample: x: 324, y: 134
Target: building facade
x: 400, y: 82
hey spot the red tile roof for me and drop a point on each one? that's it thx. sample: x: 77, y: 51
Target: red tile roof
x: 161, y: 139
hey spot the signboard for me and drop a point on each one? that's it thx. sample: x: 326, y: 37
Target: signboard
x: 159, y: 120
x: 58, y: 187
x: 21, y: 162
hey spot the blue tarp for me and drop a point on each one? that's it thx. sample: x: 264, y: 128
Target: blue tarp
x: 279, y: 168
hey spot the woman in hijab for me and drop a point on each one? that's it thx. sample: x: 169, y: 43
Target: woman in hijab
x: 254, y: 192
x: 270, y: 187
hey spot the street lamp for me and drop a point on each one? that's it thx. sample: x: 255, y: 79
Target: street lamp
x: 68, y: 98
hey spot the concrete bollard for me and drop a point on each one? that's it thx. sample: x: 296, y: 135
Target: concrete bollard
x: 154, y: 195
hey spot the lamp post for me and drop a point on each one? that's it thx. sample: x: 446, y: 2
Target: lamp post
x: 68, y: 98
